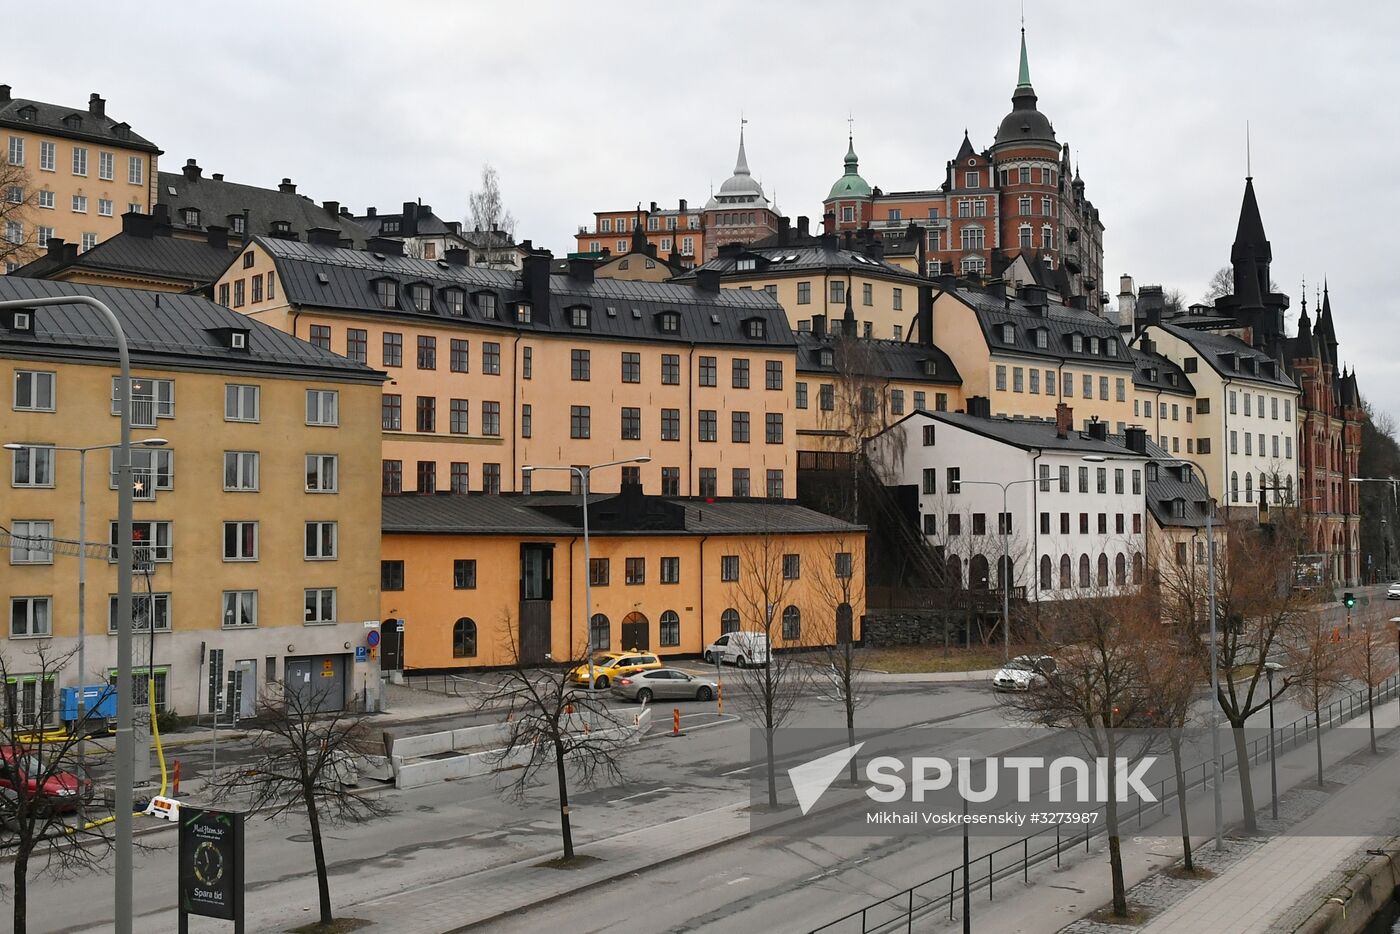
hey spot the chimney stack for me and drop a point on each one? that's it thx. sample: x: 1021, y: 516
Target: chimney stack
x: 217, y: 236
x: 829, y: 222
x: 707, y: 280
x: 819, y: 327
x: 371, y: 211
x: 135, y: 224
x: 4, y: 93
x: 1064, y: 420
x: 580, y: 269
x: 96, y: 105
x: 456, y: 256
x: 323, y: 236
x: 191, y: 170
x: 55, y: 245
x: 218, y: 176
x: 534, y: 274
x: 803, y: 226
x: 386, y: 245
x: 979, y: 406
x: 286, y: 187
x: 784, y: 231
x: 1135, y: 437
x: 683, y: 204
x: 1098, y: 430
x: 1037, y: 297
x: 408, y: 226
x: 332, y: 208
x: 926, y: 315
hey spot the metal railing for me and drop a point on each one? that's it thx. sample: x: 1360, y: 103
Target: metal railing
x: 1017, y: 857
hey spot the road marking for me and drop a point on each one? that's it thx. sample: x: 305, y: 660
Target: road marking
x: 737, y: 881
x: 643, y: 793
x: 736, y: 771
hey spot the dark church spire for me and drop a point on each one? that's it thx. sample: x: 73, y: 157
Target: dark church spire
x: 1251, y: 254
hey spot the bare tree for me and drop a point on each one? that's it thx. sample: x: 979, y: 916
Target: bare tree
x: 769, y: 691
x: 1174, y: 301
x: 553, y: 724
x: 47, y: 821
x: 1317, y: 662
x: 854, y: 410
x: 1222, y: 283
x: 1370, y: 659
x: 837, y: 587
x: 487, y: 212
x: 19, y: 237
x: 304, y: 760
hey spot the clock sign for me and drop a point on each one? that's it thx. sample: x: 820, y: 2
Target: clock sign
x: 211, y: 864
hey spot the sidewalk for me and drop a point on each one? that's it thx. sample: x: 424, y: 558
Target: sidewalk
x: 927, y: 677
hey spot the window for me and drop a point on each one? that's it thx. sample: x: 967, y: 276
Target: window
x: 838, y: 291
x: 459, y: 356
x: 241, y: 471
x: 635, y: 571
x: 792, y: 623
x: 30, y: 616
x: 580, y: 419
x: 391, y: 412
x: 801, y: 395
x: 670, y: 570
x: 773, y: 374
x: 1118, y: 480
x: 491, y: 478
x: 670, y: 424
x: 1101, y: 480
x: 33, y: 466
x: 491, y: 358
x: 826, y: 397
x: 104, y: 209
x: 491, y: 419
x: 459, y: 477
x: 240, y: 541
x: 146, y: 611
x: 792, y: 567
x: 773, y: 428
x: 632, y: 423
x: 709, y: 425
x: 1084, y: 479
x: 80, y: 160
x: 393, y: 349
x: 1035, y: 380
x: 930, y: 476
x: 320, y: 606
x: 320, y: 335
x: 670, y: 369
x: 30, y: 541
x: 670, y: 633
x: 464, y: 574
x: 631, y: 367
x: 580, y: 367
x: 1001, y: 377
x: 48, y: 200
x: 740, y: 373
x: 775, y: 484
x: 458, y: 421
x: 17, y: 151
x: 427, y: 352
x: 804, y: 293
x: 80, y: 206
x: 486, y: 301
x: 322, y: 407
x: 387, y: 292
x: 1018, y: 379
x: 135, y: 170
x: 973, y: 238
x: 739, y: 482
x: 321, y: 473
x: 954, y: 524
x: 954, y: 475
x: 34, y: 391
x: 729, y: 568
x: 391, y: 477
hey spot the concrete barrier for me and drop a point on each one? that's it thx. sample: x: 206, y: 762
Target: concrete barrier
x: 1360, y: 898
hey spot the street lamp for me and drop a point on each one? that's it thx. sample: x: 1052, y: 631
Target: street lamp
x: 126, y: 760
x: 1004, y: 522
x: 82, y: 453
x: 1269, y: 669
x: 584, y: 474
x: 1216, y: 776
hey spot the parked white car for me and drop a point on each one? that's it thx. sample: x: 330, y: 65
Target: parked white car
x: 739, y: 648
x: 1393, y: 593
x: 1023, y: 673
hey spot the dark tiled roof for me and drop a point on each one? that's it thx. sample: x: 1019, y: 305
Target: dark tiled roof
x: 1169, y: 486
x: 619, y: 308
x: 1060, y: 321
x: 1217, y: 350
x: 882, y: 359
x: 162, y: 329
x: 1030, y: 434
x: 48, y: 118
x: 803, y: 257
x: 218, y: 200
x: 193, y: 261
x: 429, y: 225
x: 1155, y: 372
x: 551, y: 513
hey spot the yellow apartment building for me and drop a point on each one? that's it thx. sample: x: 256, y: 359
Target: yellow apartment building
x: 75, y: 170
x: 490, y: 371
x: 482, y: 580
x: 256, y: 521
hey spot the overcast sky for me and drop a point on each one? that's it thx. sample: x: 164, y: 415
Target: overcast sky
x: 585, y: 107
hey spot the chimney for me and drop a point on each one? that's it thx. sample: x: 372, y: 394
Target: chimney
x: 1135, y: 437
x: 926, y: 315
x: 386, y: 245
x: 1150, y: 304
x: 217, y: 236
x: 1127, y: 301
x: 409, y: 226
x: 4, y: 93
x: 55, y: 245
x: 707, y: 280
x: 286, y: 187
x: 653, y: 208
x: 424, y: 210
x: 1037, y: 298
x: 846, y: 239
x: 675, y: 260
x: 997, y: 288
x: 191, y: 170
x: 96, y: 105
x: 1146, y: 345
x: 332, y: 208
x: 323, y: 236
x: 1098, y: 430
x: 1064, y: 420
x: 580, y: 269
x: 803, y: 226
x: 979, y: 406
x: 135, y: 225
x: 456, y: 256
x: 371, y: 212
x: 784, y: 231
x: 218, y: 176
x: 829, y: 222
x: 160, y: 215
x: 683, y: 205
x: 875, y: 249
x: 534, y: 274
x: 819, y: 327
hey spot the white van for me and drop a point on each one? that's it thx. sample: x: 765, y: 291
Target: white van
x: 739, y: 648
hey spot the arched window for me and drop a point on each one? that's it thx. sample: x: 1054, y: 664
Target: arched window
x: 1046, y: 570
x: 1103, y: 570
x: 1066, y: 574
x: 977, y: 573
x: 670, y: 628
x: 792, y: 623
x: 729, y: 621
x: 1234, y: 487
x: 1083, y: 570
x: 1137, y: 567
x: 599, y: 632
x: 955, y: 579
x: 464, y: 638
x: 1120, y: 570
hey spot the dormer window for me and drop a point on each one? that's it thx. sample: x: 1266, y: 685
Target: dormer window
x: 237, y: 223
x: 1008, y: 334
x: 826, y: 357
x: 389, y: 227
x: 28, y: 113
x: 524, y: 312
x: 422, y: 297
x: 930, y: 367
x: 456, y: 301
x: 1042, y: 338
x: 578, y: 316
x: 73, y: 121
x: 755, y: 328
x: 1171, y: 379
x: 1151, y: 473
x: 281, y: 226
x: 21, y: 322
x: 238, y: 340
x: 1179, y: 508
x: 486, y: 301
x: 1111, y: 348
x: 387, y: 291
x: 190, y: 216
x: 1076, y: 343
x: 747, y: 264
x: 669, y: 322
x: 1094, y: 345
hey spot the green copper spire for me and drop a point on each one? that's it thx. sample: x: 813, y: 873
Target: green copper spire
x: 1024, y: 81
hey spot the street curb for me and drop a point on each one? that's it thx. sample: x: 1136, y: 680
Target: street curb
x: 928, y: 677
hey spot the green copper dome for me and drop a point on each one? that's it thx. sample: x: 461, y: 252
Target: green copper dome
x: 850, y: 185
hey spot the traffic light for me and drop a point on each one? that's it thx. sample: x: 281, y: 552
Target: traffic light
x: 1349, y: 599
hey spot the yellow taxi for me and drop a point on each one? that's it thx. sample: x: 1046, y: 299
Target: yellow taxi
x: 609, y: 666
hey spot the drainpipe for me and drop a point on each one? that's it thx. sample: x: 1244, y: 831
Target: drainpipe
x: 690, y: 479
x: 703, y: 643
x: 515, y: 430
x: 586, y: 572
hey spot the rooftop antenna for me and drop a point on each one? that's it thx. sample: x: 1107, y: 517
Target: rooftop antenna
x: 1305, y: 293
x: 1248, y: 166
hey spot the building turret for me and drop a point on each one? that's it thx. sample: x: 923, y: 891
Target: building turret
x: 1025, y: 124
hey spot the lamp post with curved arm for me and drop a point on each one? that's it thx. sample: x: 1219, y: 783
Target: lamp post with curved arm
x: 1004, y: 521
x: 584, y: 475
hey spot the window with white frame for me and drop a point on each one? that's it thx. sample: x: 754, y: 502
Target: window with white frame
x: 240, y: 609
x: 150, y: 542
x: 48, y: 157
x: 241, y: 471
x: 241, y: 402
x: 34, y: 390
x: 145, y: 610
x: 322, y: 473
x: 320, y: 541
x: 31, y: 617
x: 973, y: 238
x: 16, y: 150
x: 241, y: 541
x: 47, y: 200
x: 150, y: 399
x: 104, y: 207
x: 135, y: 170
x: 106, y: 165
x: 88, y: 241
x: 31, y: 541
x: 80, y: 160
x: 32, y: 466
x: 79, y: 204
x: 320, y: 606
x: 322, y: 407
x: 151, y: 470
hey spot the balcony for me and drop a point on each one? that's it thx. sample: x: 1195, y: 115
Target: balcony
x: 932, y: 223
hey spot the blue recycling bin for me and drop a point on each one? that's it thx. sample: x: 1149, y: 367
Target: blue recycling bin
x: 99, y: 706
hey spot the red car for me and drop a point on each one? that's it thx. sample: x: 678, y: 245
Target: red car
x: 63, y: 790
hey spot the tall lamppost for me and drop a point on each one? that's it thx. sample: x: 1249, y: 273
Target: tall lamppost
x: 1004, y: 523
x: 1269, y: 669
x: 82, y: 453
x: 584, y: 475
x: 126, y: 759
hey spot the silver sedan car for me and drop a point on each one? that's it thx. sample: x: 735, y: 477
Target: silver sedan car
x: 663, y: 684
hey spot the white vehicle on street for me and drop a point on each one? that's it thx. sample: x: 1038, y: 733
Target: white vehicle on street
x: 1023, y: 673
x: 739, y: 648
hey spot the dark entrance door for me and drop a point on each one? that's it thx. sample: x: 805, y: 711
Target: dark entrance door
x: 536, y: 601
x: 636, y: 633
x: 391, y: 645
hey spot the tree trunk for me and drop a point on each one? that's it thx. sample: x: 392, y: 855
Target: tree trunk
x: 1371, y: 712
x: 1317, y: 737
x: 1186, y: 859
x: 1246, y: 785
x: 1115, y: 850
x: 772, y: 779
x: 564, y: 827
x: 323, y: 882
x: 851, y: 737
x: 21, y: 895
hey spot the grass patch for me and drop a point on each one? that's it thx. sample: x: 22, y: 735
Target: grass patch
x: 337, y: 926
x: 579, y: 861
x: 914, y: 659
